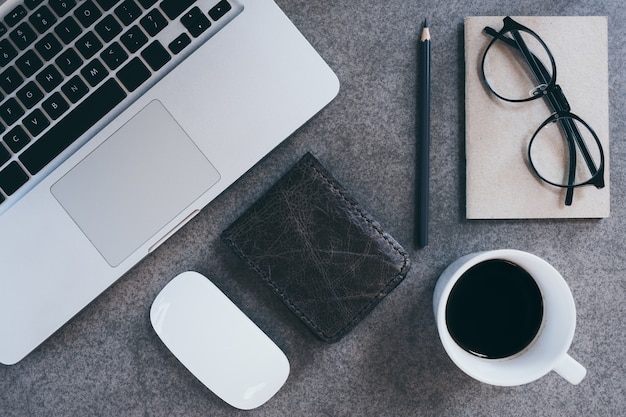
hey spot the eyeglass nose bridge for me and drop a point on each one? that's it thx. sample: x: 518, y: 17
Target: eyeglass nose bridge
x: 560, y: 101
x: 539, y: 90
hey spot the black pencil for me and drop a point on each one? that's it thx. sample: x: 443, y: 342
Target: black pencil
x: 423, y: 140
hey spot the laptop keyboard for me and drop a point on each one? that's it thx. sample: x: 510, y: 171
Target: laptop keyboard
x: 67, y: 66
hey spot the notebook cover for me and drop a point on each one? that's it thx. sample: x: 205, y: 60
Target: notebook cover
x: 320, y: 252
x: 499, y: 183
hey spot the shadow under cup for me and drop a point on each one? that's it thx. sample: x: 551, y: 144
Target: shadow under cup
x: 549, y: 348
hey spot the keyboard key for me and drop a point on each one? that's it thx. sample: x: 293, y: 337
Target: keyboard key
x: 72, y: 126
x: 146, y: 4
x: 174, y: 8
x: 31, y: 4
x: 29, y: 63
x: 133, y: 74
x: 10, y: 80
x: 7, y: 52
x: 75, y: 89
x: 107, y: 4
x: 195, y: 21
x: 12, y: 178
x: 108, y: 28
x: 15, y: 15
x: 219, y: 10
x: 16, y: 139
x: 4, y: 155
x: 68, y: 30
x: 127, y: 12
x: 48, y: 47
x: 88, y: 45
x: 153, y: 22
x: 42, y: 19
x: 179, y: 43
x: 23, y: 35
x: 114, y: 55
x: 11, y: 111
x: 155, y: 55
x: 68, y: 61
x: 35, y: 122
x: 55, y: 106
x: 94, y: 72
x: 62, y: 7
x: 30, y: 95
x: 134, y: 39
x: 3, y: 29
x: 87, y: 13
x: 49, y: 78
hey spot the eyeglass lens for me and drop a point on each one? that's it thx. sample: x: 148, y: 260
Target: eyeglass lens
x: 551, y: 156
x: 517, y: 66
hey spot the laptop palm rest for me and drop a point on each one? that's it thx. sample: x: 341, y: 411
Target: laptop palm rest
x: 136, y: 182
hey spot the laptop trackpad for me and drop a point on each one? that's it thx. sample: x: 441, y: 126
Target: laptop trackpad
x: 137, y: 181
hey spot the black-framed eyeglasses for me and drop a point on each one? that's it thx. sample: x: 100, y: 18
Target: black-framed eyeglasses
x: 517, y: 66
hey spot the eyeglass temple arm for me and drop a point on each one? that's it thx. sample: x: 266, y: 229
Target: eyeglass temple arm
x: 558, y: 103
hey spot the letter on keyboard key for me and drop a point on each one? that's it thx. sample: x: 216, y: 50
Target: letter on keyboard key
x: 68, y: 30
x: 36, y: 122
x: 49, y: 78
x: 108, y: 28
x: 11, y: 111
x: 10, y: 80
x: 87, y: 13
x: 55, y: 106
x: 30, y: 95
x: 94, y: 72
x: 16, y: 138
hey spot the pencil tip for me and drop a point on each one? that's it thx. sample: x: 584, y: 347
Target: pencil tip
x: 426, y: 22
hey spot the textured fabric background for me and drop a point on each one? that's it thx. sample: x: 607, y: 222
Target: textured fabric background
x: 108, y: 362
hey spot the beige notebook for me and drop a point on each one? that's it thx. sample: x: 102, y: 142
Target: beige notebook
x: 500, y: 182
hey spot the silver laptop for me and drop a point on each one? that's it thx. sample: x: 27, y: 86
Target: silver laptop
x: 120, y: 120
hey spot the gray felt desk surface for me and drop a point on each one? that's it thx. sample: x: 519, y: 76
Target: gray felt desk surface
x: 108, y: 361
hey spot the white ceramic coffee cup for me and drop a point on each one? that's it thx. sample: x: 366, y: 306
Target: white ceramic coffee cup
x: 549, y: 349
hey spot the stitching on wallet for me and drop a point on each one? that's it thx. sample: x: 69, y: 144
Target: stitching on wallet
x: 365, y: 309
x: 312, y: 163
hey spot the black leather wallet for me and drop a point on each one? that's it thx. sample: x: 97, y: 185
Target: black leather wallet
x: 321, y: 253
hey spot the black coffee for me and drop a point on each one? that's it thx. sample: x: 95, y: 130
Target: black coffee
x: 494, y: 310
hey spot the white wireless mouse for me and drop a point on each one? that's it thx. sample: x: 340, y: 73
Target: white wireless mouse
x: 217, y: 342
